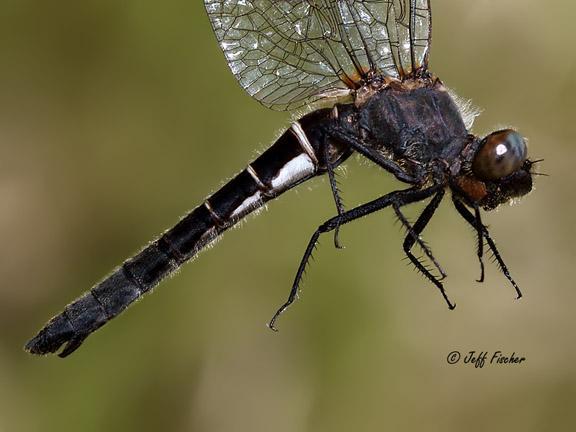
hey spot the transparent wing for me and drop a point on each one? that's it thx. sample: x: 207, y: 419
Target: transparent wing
x: 286, y: 53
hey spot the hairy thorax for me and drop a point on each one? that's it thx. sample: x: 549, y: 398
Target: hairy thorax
x: 408, y: 123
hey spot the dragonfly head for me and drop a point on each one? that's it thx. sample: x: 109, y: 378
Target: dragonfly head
x: 497, y: 169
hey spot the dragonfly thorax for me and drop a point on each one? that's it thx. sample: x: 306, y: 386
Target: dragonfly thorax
x: 414, y: 124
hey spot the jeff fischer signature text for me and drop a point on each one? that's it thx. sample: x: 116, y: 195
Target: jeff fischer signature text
x: 481, y: 358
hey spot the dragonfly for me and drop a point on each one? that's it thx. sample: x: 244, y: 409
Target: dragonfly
x: 360, y: 70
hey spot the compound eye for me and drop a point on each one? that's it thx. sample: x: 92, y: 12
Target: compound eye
x: 501, y: 153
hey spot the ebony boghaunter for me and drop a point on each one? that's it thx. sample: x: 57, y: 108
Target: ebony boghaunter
x: 362, y: 69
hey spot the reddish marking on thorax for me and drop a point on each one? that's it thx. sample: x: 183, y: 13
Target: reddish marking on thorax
x: 474, y: 189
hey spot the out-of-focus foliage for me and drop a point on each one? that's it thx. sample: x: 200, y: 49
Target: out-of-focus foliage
x: 116, y: 117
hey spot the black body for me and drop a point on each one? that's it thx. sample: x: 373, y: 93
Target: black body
x: 401, y: 118
x: 422, y: 124
x: 159, y: 259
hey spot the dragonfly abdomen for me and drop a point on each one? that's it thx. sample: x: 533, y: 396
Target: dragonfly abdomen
x: 292, y: 159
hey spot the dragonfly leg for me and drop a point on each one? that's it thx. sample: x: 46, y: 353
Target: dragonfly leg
x: 415, y: 230
x: 335, y: 190
x: 472, y: 220
x: 480, y: 245
x: 400, y: 198
x: 374, y: 156
x: 414, y: 237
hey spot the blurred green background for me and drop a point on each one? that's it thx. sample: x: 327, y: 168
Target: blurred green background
x: 117, y: 117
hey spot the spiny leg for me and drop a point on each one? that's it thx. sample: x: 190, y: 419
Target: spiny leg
x: 469, y: 217
x: 335, y: 191
x: 415, y: 230
x: 412, y: 238
x: 480, y: 248
x: 373, y: 155
x: 402, y: 197
x: 391, y: 167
